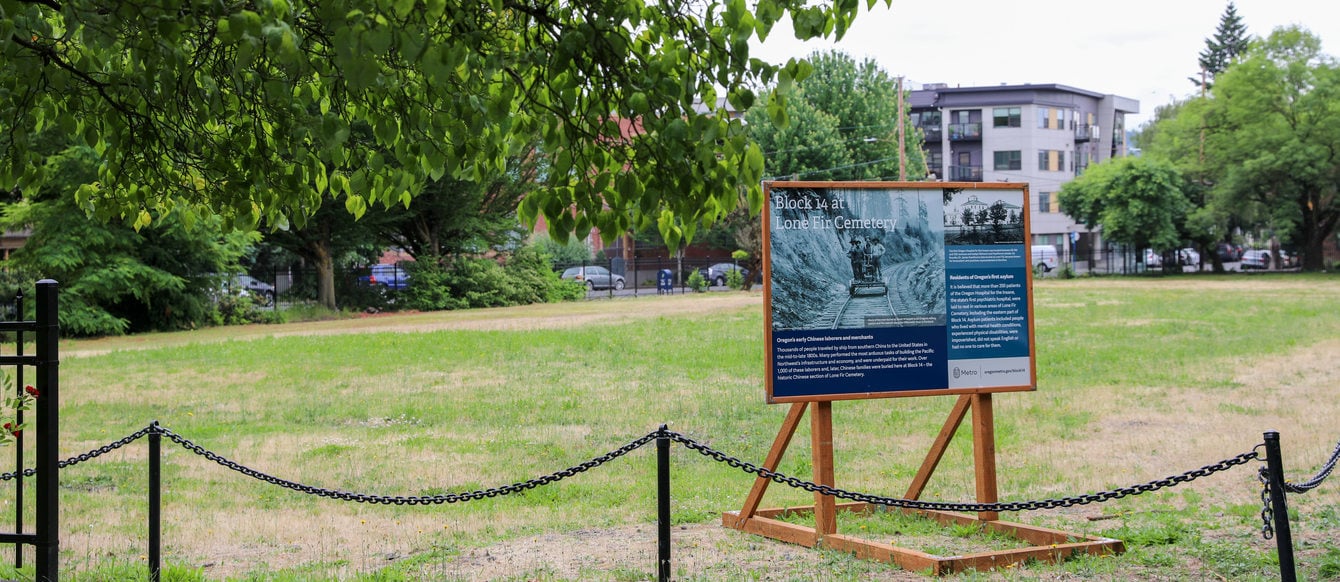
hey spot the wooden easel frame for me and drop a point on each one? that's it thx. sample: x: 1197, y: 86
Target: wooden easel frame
x: 1047, y: 545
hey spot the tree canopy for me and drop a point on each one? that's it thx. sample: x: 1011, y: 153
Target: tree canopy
x: 1229, y: 41
x: 842, y: 124
x: 1138, y: 201
x: 255, y: 109
x: 114, y: 279
x: 1273, y: 139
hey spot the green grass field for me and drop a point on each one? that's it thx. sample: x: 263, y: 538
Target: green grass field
x: 1138, y: 379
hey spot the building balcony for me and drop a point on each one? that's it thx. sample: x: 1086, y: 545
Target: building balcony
x: 965, y: 173
x: 965, y: 131
x: 1086, y: 132
x: 931, y: 133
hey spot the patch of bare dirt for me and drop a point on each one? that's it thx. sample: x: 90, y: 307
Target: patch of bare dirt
x: 703, y: 551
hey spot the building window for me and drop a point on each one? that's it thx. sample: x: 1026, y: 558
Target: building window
x: 1051, y: 161
x: 1049, y: 118
x: 1045, y: 202
x: 935, y: 160
x: 1009, y: 160
x: 926, y: 118
x: 1006, y: 117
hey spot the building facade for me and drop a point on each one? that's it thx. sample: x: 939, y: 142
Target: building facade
x: 1044, y: 135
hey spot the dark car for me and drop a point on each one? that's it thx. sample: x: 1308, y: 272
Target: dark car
x: 716, y: 274
x: 594, y: 277
x: 392, y: 277
x: 1228, y: 252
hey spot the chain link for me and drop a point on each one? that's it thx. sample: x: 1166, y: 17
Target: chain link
x: 93, y: 454
x: 1267, y: 512
x: 411, y: 500
x: 1321, y: 475
x: 1263, y: 474
x: 718, y: 456
x: 963, y: 507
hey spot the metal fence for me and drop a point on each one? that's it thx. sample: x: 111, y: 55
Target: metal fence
x: 374, y: 285
x: 646, y: 276
x: 1274, y: 493
x: 44, y: 331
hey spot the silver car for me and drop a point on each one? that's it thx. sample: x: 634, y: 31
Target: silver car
x: 1256, y: 259
x: 594, y: 277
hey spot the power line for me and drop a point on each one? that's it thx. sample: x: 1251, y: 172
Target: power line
x: 846, y: 167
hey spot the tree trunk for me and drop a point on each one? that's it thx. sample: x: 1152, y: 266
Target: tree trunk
x: 1318, y: 226
x: 325, y: 274
x: 749, y: 237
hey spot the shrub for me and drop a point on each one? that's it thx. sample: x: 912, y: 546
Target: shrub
x: 466, y: 282
x: 234, y: 309
x: 696, y: 282
x: 734, y: 279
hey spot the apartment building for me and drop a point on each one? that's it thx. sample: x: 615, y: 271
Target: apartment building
x: 1044, y: 135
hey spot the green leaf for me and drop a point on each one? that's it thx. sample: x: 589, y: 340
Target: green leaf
x: 403, y: 8
x: 665, y: 223
x: 356, y: 205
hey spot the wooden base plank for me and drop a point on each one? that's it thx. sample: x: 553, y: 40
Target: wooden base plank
x: 770, y: 528
x: 1046, y: 545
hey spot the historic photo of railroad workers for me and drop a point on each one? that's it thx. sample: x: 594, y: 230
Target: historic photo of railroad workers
x: 856, y: 258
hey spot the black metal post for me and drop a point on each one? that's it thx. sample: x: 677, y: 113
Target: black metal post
x: 155, y: 503
x: 663, y: 505
x: 18, y: 439
x: 47, y: 559
x: 1279, y: 506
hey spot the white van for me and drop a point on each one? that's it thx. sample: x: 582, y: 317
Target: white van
x: 1044, y: 258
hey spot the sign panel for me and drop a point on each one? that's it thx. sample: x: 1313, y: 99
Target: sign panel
x: 881, y: 289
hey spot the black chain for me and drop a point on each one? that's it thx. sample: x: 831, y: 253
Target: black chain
x: 1267, y: 511
x: 413, y: 500
x: 964, y: 507
x: 705, y: 450
x: 1263, y: 474
x: 1316, y: 480
x: 95, y: 453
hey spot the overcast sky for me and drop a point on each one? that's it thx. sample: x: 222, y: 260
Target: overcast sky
x: 1142, y: 49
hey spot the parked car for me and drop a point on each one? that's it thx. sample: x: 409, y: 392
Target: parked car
x: 392, y: 277
x: 248, y: 285
x: 1287, y: 261
x: 1044, y: 258
x: 1188, y: 257
x: 594, y: 277
x: 1153, y: 259
x: 1228, y: 252
x: 1256, y: 259
x: 716, y: 274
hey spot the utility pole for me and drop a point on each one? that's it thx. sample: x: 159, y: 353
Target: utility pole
x: 1202, y: 126
x: 902, y: 154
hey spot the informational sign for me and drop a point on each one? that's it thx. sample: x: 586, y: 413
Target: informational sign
x: 882, y: 289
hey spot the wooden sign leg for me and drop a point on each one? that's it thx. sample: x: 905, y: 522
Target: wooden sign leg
x: 772, y: 461
x: 825, y: 506
x: 984, y: 453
